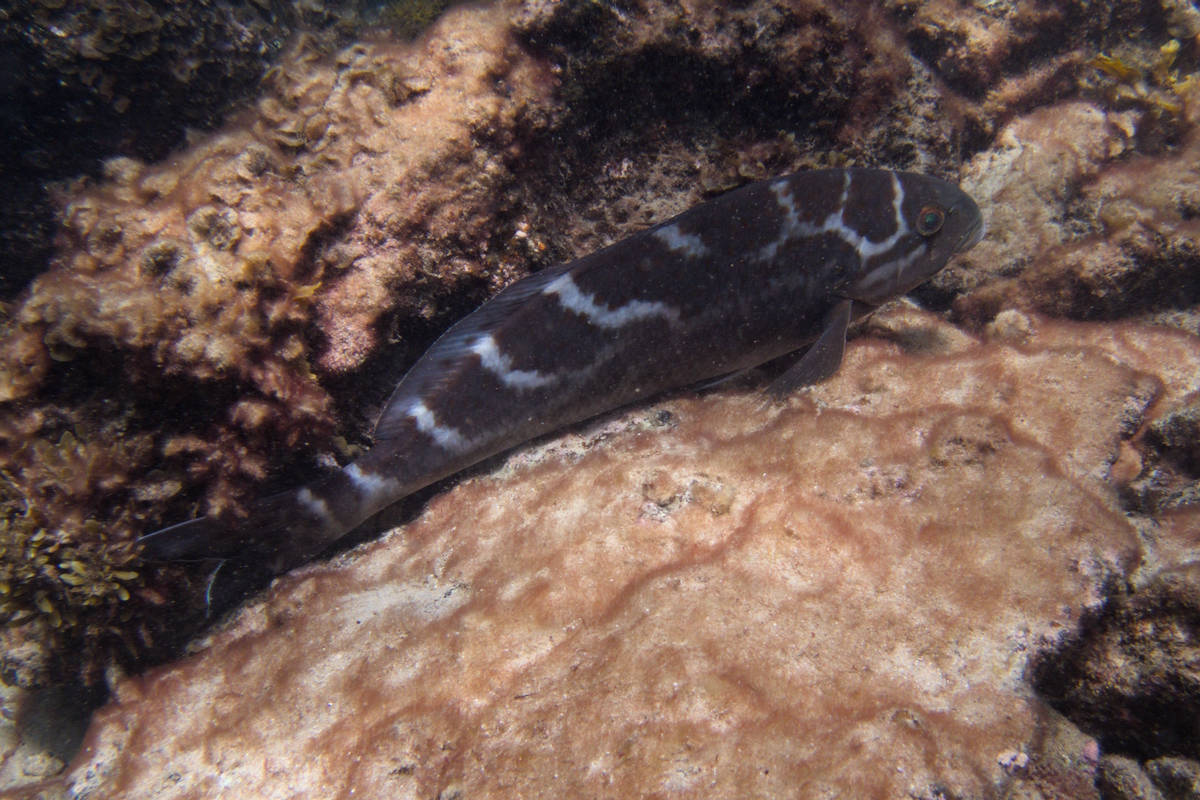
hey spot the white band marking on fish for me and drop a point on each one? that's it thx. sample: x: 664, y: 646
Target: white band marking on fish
x: 790, y: 223
x: 834, y: 223
x: 316, y: 505
x: 572, y: 299
x: 898, y: 206
x: 890, y: 274
x: 500, y: 365
x: 445, y: 437
x: 372, y: 486
x: 690, y: 244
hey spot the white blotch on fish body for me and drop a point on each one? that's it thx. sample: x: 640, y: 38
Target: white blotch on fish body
x: 372, y: 486
x: 690, y: 244
x: 571, y: 298
x: 835, y: 223
x: 443, y: 436
x: 890, y: 274
x: 500, y: 365
x: 315, y: 505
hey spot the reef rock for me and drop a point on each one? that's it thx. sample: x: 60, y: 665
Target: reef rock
x: 1082, y: 222
x: 236, y: 263
x: 87, y: 80
x: 1134, y: 676
x: 710, y: 596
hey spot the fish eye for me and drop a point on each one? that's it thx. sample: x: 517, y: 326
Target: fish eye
x: 930, y: 220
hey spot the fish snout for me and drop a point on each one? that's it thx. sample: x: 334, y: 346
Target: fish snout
x: 972, y: 237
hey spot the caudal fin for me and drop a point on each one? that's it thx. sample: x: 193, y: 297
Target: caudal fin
x: 206, y: 537
x: 281, y: 532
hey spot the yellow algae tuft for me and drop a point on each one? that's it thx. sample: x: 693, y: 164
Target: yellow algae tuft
x: 1159, y: 90
x: 1117, y: 68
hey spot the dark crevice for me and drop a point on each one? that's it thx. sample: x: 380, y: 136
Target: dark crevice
x: 1130, y: 675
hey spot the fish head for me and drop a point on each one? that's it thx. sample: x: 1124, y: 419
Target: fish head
x: 935, y: 220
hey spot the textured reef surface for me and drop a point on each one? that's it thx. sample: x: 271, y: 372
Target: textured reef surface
x: 841, y: 594
x: 964, y: 567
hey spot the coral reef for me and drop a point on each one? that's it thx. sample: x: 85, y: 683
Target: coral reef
x: 88, y: 80
x: 1123, y: 778
x: 244, y: 287
x: 714, y: 598
x: 41, y: 730
x: 666, y: 102
x: 75, y: 491
x: 217, y: 256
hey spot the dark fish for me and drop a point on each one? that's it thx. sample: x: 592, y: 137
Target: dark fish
x: 734, y: 282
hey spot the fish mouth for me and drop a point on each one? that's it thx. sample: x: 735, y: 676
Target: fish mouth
x: 972, y: 237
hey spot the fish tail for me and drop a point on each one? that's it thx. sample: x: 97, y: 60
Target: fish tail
x: 276, y: 536
x: 285, y: 530
x: 231, y: 582
x: 279, y: 533
x: 206, y: 537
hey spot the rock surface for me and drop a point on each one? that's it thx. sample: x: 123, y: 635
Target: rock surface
x: 704, y: 597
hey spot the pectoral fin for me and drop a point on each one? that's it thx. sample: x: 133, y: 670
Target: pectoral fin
x: 822, y: 359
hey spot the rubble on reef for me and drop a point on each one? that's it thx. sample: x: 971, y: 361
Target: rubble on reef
x: 878, y: 586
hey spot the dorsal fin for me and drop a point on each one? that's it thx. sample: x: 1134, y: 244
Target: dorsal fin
x: 442, y: 359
